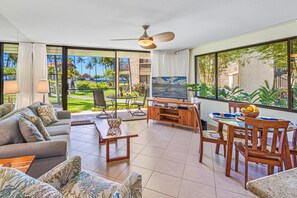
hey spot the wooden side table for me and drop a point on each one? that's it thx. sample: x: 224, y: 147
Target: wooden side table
x: 20, y: 163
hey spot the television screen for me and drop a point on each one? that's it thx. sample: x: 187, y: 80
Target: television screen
x: 169, y: 87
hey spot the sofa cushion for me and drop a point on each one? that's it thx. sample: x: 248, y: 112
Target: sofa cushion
x: 5, y: 109
x: 14, y: 183
x: 47, y: 114
x: 58, y: 130
x: 39, y: 124
x: 9, y: 127
x: 88, y: 185
x: 33, y: 107
x: 29, y: 131
x: 62, y: 122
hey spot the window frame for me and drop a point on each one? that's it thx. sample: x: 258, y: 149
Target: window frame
x: 64, y: 66
x: 289, y: 87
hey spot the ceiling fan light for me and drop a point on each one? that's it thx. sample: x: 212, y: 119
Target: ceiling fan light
x: 145, y: 42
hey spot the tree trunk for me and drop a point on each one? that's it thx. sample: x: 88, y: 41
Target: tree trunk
x: 130, y: 76
x: 57, y: 79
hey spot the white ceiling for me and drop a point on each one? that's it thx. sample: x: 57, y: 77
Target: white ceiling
x: 93, y: 23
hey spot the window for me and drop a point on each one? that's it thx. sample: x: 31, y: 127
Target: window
x: 88, y: 70
x: 10, y: 57
x: 255, y: 74
x: 54, y: 63
x: 293, y: 61
x: 206, y: 71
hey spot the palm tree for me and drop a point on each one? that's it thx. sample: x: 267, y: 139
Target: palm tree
x: 89, y: 66
x: 11, y: 58
x: 95, y: 62
x: 81, y: 60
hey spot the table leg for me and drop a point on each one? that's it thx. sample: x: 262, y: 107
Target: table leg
x: 220, y: 130
x: 286, y: 153
x: 127, y: 156
x: 128, y: 148
x: 230, y: 139
x: 107, y: 151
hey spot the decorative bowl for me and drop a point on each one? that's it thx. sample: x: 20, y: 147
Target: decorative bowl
x: 114, y: 122
x: 250, y: 114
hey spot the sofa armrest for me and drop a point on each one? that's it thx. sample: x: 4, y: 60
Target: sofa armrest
x: 134, y: 184
x: 60, y: 175
x: 64, y: 114
x: 41, y: 150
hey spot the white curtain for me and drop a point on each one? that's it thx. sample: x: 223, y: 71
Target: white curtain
x: 39, y: 69
x: 170, y: 63
x: 24, y: 75
x: 31, y: 67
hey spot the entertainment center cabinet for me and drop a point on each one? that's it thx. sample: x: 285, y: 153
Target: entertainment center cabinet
x: 172, y: 111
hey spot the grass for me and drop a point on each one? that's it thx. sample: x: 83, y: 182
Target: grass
x: 83, y: 101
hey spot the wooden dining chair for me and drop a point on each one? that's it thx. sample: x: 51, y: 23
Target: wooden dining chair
x: 233, y: 108
x: 293, y: 148
x: 257, y: 150
x: 216, y: 137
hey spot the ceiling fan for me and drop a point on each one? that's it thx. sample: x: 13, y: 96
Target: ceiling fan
x: 147, y: 42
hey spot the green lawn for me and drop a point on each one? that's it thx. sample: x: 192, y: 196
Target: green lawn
x: 83, y: 101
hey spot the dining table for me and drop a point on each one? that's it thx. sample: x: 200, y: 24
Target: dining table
x: 232, y: 123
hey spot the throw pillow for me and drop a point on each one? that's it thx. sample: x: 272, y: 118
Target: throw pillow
x: 29, y: 131
x: 33, y: 107
x: 39, y: 124
x: 47, y: 114
x: 14, y: 183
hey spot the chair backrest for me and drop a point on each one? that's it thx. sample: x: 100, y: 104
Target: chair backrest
x: 262, y: 128
x: 236, y: 106
x: 198, y: 119
x: 99, y: 100
x: 145, y: 96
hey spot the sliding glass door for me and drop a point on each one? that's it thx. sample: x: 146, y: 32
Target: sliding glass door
x: 10, y: 57
x: 88, y: 70
x: 54, y: 64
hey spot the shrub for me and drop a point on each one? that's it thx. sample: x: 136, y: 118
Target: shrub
x: 80, y: 85
x: 101, y: 85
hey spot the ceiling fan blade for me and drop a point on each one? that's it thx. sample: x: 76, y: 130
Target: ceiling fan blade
x: 163, y: 37
x: 132, y: 39
x: 152, y: 46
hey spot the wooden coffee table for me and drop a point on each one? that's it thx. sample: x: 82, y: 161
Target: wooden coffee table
x: 20, y: 163
x: 125, y: 133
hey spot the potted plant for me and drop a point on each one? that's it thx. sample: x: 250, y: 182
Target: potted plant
x: 193, y: 89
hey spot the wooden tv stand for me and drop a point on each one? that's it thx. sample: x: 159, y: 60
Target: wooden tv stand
x: 172, y: 111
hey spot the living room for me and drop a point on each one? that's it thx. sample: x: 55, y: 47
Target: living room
x: 138, y: 99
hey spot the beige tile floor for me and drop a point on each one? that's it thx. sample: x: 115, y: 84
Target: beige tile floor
x: 167, y: 159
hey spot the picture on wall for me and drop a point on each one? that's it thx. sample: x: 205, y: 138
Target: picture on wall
x: 169, y: 87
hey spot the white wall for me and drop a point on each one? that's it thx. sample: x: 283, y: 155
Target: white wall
x: 264, y: 35
x: 9, y: 33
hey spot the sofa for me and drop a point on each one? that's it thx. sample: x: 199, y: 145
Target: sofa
x: 47, y: 153
x: 5, y: 109
x: 67, y: 180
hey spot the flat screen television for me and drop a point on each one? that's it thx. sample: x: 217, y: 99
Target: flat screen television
x: 169, y: 87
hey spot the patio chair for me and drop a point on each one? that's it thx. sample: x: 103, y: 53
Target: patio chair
x: 216, y: 137
x: 262, y: 153
x: 100, y: 102
x: 140, y: 104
